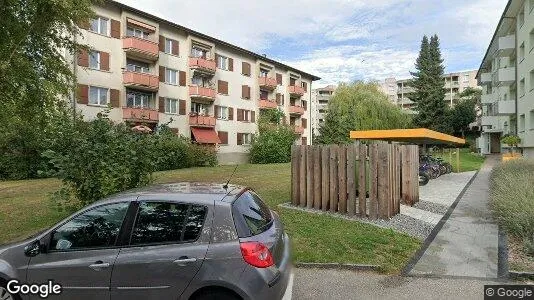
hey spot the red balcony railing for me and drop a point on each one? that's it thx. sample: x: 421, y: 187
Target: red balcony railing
x: 140, y: 114
x: 296, y: 110
x: 267, y: 82
x: 267, y: 104
x: 298, y: 129
x: 202, y: 64
x: 140, y: 80
x: 200, y: 92
x: 295, y: 90
x: 140, y: 47
x: 202, y: 121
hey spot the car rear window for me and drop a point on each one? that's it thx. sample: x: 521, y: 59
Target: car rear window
x: 251, y: 215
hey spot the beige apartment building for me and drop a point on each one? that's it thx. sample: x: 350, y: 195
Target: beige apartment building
x: 320, y: 99
x: 507, y: 78
x: 152, y: 72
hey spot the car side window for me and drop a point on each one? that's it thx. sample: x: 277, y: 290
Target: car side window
x: 96, y: 228
x: 167, y: 222
x: 251, y: 215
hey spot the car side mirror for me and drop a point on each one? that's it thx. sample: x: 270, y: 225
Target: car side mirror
x: 33, y: 249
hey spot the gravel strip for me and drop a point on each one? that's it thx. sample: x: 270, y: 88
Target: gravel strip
x: 432, y: 207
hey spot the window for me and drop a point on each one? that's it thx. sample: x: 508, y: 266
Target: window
x: 531, y: 80
x: 96, y: 228
x: 247, y: 137
x: 200, y: 81
x: 137, y: 66
x: 99, y: 25
x: 168, y: 45
x: 94, y: 60
x: 98, y: 96
x: 264, y: 95
x: 522, y: 123
x: 521, y: 17
x: 522, y: 87
x: 246, y: 116
x: 466, y: 78
x: 222, y: 113
x: 138, y: 99
x: 531, y: 5
x: 531, y: 38
x: 222, y: 62
x: 199, y: 52
x: 264, y: 72
x: 137, y: 32
x: 171, y: 106
x: 531, y: 120
x: 162, y: 222
x: 171, y: 76
x: 251, y: 215
x: 522, y: 52
x: 199, y: 108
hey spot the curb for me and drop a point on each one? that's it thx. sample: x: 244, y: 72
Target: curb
x: 338, y: 266
x: 521, y: 275
x: 502, y: 255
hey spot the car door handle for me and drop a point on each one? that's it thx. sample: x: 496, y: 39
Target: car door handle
x: 182, y: 261
x: 99, y: 265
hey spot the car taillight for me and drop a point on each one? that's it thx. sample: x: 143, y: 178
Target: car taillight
x: 256, y: 254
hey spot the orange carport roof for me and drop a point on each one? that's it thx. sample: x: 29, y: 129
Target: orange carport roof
x: 414, y: 136
x: 205, y: 135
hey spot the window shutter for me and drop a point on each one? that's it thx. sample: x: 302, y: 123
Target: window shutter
x: 279, y: 78
x: 175, y: 131
x: 104, y: 61
x: 182, y: 78
x: 239, y: 115
x: 230, y: 64
x: 85, y: 24
x: 248, y: 92
x: 161, y: 74
x: 252, y: 116
x: 278, y: 98
x: 161, y: 104
x: 244, y: 90
x: 161, y: 43
x: 217, y: 60
x: 222, y: 87
x: 181, y: 108
x: 115, y: 29
x: 245, y: 68
x: 304, y: 123
x: 223, y: 136
x: 83, y: 94
x: 83, y: 58
x: 230, y: 113
x: 216, y: 114
x: 283, y: 99
x: 114, y: 98
x: 305, y: 86
x: 239, y: 138
x: 175, y: 47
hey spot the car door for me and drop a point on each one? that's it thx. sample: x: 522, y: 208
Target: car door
x: 81, y: 253
x: 166, y: 249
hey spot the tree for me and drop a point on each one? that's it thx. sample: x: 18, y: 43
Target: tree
x: 274, y: 140
x: 463, y: 113
x: 429, y: 93
x: 359, y: 106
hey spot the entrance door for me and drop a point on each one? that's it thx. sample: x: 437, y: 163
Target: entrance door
x: 495, y: 143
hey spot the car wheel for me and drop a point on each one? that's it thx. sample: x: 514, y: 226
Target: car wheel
x: 5, y: 295
x: 216, y: 295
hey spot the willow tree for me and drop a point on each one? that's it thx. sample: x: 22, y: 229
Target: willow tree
x: 359, y: 106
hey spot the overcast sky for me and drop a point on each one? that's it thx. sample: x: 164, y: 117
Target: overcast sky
x: 342, y: 40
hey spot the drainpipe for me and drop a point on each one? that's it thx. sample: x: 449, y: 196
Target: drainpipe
x: 74, y: 72
x: 310, y: 126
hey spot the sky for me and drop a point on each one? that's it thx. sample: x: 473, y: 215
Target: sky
x: 342, y: 40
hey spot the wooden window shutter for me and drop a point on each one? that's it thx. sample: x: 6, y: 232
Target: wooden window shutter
x: 104, y: 61
x: 304, y: 123
x: 83, y: 94
x: 83, y: 58
x: 239, y: 138
x: 216, y: 114
x: 161, y: 43
x: 161, y: 104
x: 245, y: 92
x: 283, y: 99
x: 161, y: 74
x: 305, y: 86
x: 230, y: 113
x: 230, y: 64
x: 222, y: 87
x: 114, y: 98
x: 239, y: 115
x: 278, y: 98
x: 216, y: 60
x: 182, y: 78
x: 181, y: 108
x: 252, y: 116
x: 115, y: 29
x: 245, y: 68
x: 248, y: 92
x: 85, y: 24
x: 223, y: 136
x: 175, y: 131
x: 279, y: 78
x: 175, y: 47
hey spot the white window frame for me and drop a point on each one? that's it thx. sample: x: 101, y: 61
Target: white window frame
x: 199, y: 52
x: 264, y: 72
x: 137, y: 32
x: 99, y: 29
x: 168, y: 76
x: 246, y: 115
x: 247, y: 139
x: 222, y: 113
x: 222, y: 62
x: 200, y: 108
x: 171, y: 106
x: 96, y: 55
x: 133, y: 67
x: 145, y: 99
x: 100, y: 91
x: 168, y: 45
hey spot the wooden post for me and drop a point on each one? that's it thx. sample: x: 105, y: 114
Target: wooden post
x: 325, y: 169
x: 309, y: 177
x: 373, y: 201
x: 295, y: 159
x: 317, y: 177
x: 351, y: 174
x: 458, y: 160
x: 450, y: 156
x: 333, y: 179
x: 302, y: 176
x: 342, y: 177
x: 362, y: 181
x: 382, y: 181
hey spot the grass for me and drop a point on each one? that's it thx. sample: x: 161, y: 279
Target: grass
x: 25, y: 208
x: 468, y: 161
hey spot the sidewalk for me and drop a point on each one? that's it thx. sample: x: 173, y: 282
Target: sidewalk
x: 468, y: 242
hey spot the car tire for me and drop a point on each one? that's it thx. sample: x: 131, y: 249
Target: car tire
x: 216, y: 294
x: 4, y: 293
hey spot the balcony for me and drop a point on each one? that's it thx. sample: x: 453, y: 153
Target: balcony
x: 140, y: 48
x: 142, y: 81
x: 296, y: 91
x: 268, y: 104
x: 506, y: 45
x: 202, y: 65
x: 487, y: 98
x: 201, y: 93
x: 296, y: 110
x: 485, y: 77
x: 267, y: 83
x: 504, y: 108
x: 142, y: 115
x: 490, y: 124
x: 504, y: 76
x: 298, y: 129
x: 201, y: 121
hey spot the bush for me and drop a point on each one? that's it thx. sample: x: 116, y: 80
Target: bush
x: 512, y: 198
x: 272, y: 145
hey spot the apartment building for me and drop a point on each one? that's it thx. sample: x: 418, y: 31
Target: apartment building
x: 320, y: 99
x: 153, y: 72
x: 399, y: 91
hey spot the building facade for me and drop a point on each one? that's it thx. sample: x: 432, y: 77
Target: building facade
x: 507, y: 78
x: 320, y: 99
x: 153, y: 72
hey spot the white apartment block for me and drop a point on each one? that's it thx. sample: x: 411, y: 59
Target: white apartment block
x: 320, y: 99
x: 152, y: 72
x: 507, y: 78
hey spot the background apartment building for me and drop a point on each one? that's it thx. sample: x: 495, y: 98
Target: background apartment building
x: 399, y: 91
x: 320, y: 99
x: 152, y: 72
x: 507, y: 78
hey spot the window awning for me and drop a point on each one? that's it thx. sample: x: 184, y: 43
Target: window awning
x: 205, y: 135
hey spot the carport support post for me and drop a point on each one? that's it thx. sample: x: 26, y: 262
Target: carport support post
x: 450, y: 156
x: 458, y: 160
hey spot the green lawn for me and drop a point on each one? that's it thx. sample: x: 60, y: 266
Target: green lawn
x: 25, y: 208
x: 468, y: 161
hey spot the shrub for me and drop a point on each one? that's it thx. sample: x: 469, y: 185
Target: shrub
x: 272, y: 145
x: 512, y: 198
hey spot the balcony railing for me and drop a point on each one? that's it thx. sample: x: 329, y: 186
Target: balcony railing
x: 141, y: 48
x: 140, y: 114
x: 295, y: 90
x: 298, y: 129
x: 138, y: 80
x: 504, y: 108
x: 200, y: 92
x: 296, y: 110
x: 267, y: 82
x: 203, y: 65
x: 267, y: 104
x: 506, y: 45
x: 202, y: 121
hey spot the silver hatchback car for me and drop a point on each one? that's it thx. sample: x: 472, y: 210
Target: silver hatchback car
x: 171, y: 241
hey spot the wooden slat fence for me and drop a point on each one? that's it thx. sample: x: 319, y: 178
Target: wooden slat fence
x: 364, y: 180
